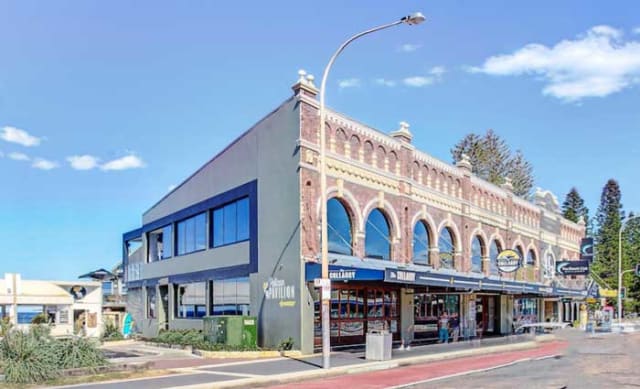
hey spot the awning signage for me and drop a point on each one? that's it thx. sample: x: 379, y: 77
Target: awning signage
x: 586, y: 249
x: 341, y: 273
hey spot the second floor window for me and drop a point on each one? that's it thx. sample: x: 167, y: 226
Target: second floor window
x: 231, y: 223
x: 192, y: 234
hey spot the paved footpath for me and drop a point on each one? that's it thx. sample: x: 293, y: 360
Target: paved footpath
x: 411, y: 375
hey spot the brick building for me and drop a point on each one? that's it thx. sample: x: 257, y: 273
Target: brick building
x: 410, y: 237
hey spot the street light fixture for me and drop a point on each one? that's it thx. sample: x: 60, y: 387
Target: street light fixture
x: 620, y: 272
x: 412, y: 19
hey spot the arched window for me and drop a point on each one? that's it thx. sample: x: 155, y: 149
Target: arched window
x: 549, y: 268
x: 531, y: 258
x: 477, y: 249
x: 520, y: 254
x: 421, y: 244
x: 446, y: 247
x: 495, y: 249
x: 339, y: 228
x: 377, y: 242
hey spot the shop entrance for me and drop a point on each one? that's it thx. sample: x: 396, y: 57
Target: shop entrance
x: 358, y: 309
x: 487, y: 314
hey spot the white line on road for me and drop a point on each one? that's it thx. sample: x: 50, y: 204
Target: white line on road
x: 463, y: 373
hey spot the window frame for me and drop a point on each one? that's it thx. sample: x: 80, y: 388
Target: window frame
x: 212, y: 229
x: 176, y: 246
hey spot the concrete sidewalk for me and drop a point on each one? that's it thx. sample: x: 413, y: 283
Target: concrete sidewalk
x: 254, y: 373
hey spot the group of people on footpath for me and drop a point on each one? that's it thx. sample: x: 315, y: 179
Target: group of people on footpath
x: 448, y: 326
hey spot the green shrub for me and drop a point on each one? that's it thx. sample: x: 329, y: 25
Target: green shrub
x: 40, y: 318
x: 35, y: 357
x: 286, y: 344
x: 5, y: 326
x: 25, y: 358
x: 79, y: 352
x: 111, y: 332
x: 196, y: 339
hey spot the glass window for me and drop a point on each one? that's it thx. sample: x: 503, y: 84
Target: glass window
x: 191, y: 300
x: 230, y: 296
x: 192, y: 234
x: 167, y: 242
x: 531, y: 258
x: 477, y: 249
x: 26, y: 313
x: 243, y: 218
x: 160, y: 244
x: 218, y: 236
x: 520, y: 254
x: 421, y: 244
x: 230, y: 228
x: 200, y: 222
x: 377, y: 239
x: 107, y: 288
x: 231, y: 223
x: 493, y: 255
x: 446, y: 248
x: 339, y: 228
x: 151, y: 302
x: 549, y: 268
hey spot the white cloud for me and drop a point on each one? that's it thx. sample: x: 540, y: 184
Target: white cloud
x: 21, y: 137
x: 19, y: 157
x: 409, y: 47
x: 349, y: 83
x: 385, y: 82
x: 636, y: 30
x: 43, y: 164
x: 595, y: 64
x: 437, y: 71
x: 83, y: 162
x: 435, y: 75
x: 124, y: 163
x: 418, y: 81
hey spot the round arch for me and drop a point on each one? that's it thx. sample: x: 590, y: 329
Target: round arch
x: 388, y: 210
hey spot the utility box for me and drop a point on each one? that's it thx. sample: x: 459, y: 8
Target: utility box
x: 231, y: 330
x: 378, y: 346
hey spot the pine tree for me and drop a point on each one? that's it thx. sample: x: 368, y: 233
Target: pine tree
x: 609, y: 220
x: 573, y: 208
x: 521, y: 173
x: 493, y: 161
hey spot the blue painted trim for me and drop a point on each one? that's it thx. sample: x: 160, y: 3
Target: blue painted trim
x: 342, y: 273
x: 198, y: 276
x: 250, y: 189
x: 127, y: 236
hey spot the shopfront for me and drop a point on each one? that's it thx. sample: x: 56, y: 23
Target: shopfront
x: 525, y: 311
x: 428, y: 307
x: 487, y: 314
x: 358, y: 308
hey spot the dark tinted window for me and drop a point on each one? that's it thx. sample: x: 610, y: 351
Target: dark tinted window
x: 421, y: 244
x: 377, y: 239
x: 339, y: 228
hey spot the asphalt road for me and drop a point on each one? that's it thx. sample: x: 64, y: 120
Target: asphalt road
x: 604, y: 361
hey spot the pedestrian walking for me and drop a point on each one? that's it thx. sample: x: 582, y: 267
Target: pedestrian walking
x: 455, y: 326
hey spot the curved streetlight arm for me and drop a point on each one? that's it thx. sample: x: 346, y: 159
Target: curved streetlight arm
x: 325, y: 74
x: 620, y: 272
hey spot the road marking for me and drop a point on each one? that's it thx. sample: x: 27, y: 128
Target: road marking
x: 239, y: 375
x: 468, y: 372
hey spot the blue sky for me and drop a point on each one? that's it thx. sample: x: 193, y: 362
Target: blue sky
x: 105, y: 105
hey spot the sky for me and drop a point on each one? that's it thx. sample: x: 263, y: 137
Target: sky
x: 105, y: 106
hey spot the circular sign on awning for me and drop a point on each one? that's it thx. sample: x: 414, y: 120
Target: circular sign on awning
x: 508, y: 261
x: 78, y: 292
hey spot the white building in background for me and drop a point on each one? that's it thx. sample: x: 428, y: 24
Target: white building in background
x: 69, y: 306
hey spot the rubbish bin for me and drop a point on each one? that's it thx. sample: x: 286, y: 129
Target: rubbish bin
x: 378, y: 346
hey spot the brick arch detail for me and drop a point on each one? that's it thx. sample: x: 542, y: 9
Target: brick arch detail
x: 428, y: 221
x: 388, y: 210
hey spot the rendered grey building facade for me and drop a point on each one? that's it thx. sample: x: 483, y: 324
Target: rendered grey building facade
x: 409, y: 232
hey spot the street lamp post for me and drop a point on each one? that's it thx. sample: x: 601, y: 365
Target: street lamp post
x: 415, y: 18
x: 620, y: 272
